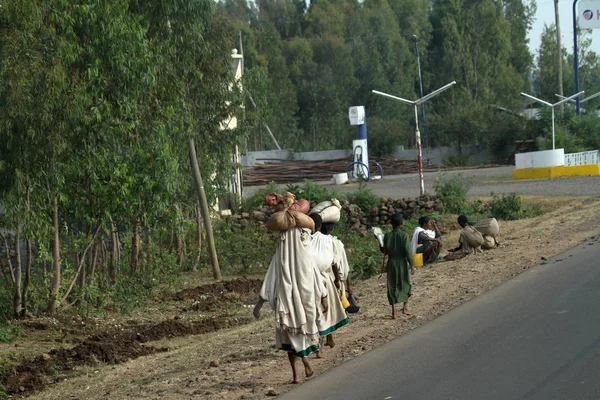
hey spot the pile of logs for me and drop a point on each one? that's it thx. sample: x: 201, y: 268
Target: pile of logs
x: 294, y: 171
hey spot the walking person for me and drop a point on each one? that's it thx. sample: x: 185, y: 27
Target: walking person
x: 397, y: 246
x: 295, y: 290
x: 324, y: 251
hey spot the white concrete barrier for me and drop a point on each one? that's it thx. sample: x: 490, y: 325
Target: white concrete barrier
x: 540, y: 159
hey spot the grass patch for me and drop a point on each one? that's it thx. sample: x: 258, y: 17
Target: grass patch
x: 8, y: 333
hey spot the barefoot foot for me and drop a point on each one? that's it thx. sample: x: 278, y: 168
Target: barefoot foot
x: 330, y: 342
x: 309, y: 372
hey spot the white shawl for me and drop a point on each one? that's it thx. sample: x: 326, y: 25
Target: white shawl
x: 322, y: 250
x: 293, y: 285
x: 342, y: 261
x: 415, y: 237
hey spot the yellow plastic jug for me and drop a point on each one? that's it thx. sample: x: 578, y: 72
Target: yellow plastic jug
x: 345, y: 302
x: 418, y: 260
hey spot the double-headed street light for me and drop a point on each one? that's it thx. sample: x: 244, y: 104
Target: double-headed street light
x: 552, y: 106
x: 580, y: 101
x: 416, y: 104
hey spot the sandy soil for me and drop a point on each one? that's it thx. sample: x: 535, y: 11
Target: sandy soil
x: 240, y: 361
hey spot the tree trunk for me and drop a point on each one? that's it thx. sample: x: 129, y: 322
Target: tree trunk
x: 8, y: 260
x: 135, y: 248
x: 199, y: 233
x: 55, y: 288
x: 148, y: 247
x: 93, y: 263
x: 25, y: 296
x: 180, y: 249
x: 80, y: 266
x: 83, y: 275
x: 204, y: 209
x: 17, y: 300
x: 27, y: 277
x: 115, y: 255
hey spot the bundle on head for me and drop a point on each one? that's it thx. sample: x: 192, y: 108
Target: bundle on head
x: 290, y: 214
x: 280, y: 203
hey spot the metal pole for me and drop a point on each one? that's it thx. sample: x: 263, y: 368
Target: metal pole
x: 419, y: 155
x: 553, y: 142
x: 559, y: 54
x: 575, y: 55
x: 421, y: 91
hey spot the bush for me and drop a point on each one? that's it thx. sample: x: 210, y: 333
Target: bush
x: 363, y: 253
x: 313, y: 192
x: 258, y: 198
x: 243, y: 248
x: 458, y: 161
x: 452, y: 191
x: 9, y: 333
x: 510, y: 207
x: 5, y: 301
x: 364, y: 198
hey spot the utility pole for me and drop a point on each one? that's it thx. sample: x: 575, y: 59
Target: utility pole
x: 559, y: 55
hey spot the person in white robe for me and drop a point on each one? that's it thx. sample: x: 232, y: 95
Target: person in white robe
x: 294, y: 289
x: 324, y: 251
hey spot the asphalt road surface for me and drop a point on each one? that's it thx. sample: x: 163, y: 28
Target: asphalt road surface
x: 536, y: 336
x: 483, y: 181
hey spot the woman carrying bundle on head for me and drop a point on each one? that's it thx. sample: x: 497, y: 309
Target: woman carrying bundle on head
x: 294, y: 289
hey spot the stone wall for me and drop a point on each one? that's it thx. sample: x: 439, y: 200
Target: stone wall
x: 357, y: 219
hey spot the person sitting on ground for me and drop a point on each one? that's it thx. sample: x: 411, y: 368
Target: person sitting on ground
x: 400, y: 260
x: 470, y: 240
x: 296, y: 292
x: 426, y: 239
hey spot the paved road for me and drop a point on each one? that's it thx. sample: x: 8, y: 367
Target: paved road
x: 484, y: 182
x: 535, y: 337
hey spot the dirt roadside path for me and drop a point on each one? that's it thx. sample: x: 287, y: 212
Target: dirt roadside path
x: 242, y: 362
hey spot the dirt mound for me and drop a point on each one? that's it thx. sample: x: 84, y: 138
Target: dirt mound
x: 206, y: 296
x: 175, y: 328
x: 34, y: 374
x: 109, y: 348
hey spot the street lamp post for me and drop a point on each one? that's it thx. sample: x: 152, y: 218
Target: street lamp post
x: 416, y: 40
x: 575, y: 55
x: 416, y: 104
x: 552, y: 107
x: 580, y: 101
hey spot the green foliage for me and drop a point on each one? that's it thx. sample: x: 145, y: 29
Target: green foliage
x: 243, y: 249
x: 313, y: 192
x: 510, y: 207
x: 452, y: 191
x: 5, y: 302
x: 8, y: 333
x: 364, y: 198
x: 258, y: 197
x: 129, y: 293
x: 458, y: 161
x: 363, y: 253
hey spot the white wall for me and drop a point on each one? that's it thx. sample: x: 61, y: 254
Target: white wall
x: 540, y: 159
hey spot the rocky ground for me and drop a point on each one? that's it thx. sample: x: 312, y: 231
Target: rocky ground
x: 202, y: 342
